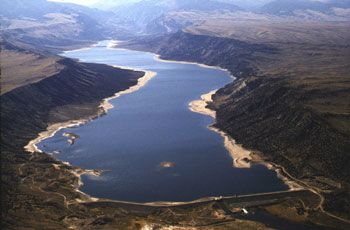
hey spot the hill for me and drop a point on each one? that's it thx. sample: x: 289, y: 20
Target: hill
x: 46, y: 24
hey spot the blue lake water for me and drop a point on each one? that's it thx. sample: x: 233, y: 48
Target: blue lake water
x: 154, y: 125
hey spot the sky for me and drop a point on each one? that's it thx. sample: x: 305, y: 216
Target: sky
x: 93, y: 2
x: 106, y: 4
x: 102, y: 2
x: 81, y: 2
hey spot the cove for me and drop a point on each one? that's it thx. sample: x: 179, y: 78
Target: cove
x: 150, y: 127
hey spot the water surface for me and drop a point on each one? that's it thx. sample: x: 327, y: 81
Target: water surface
x: 155, y: 125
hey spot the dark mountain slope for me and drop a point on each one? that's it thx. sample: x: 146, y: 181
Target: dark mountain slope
x: 27, y: 110
x: 224, y: 52
x: 270, y: 116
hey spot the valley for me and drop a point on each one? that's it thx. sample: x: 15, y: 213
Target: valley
x: 289, y: 106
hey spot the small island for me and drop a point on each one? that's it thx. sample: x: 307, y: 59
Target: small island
x: 72, y: 137
x: 167, y: 164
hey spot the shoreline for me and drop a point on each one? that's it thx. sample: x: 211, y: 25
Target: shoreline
x: 114, y: 45
x: 241, y: 157
x: 141, y: 82
x: 157, y: 57
x: 104, y: 106
x: 78, y: 173
x: 51, y: 130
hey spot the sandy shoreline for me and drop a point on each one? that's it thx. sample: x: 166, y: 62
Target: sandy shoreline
x: 104, y: 106
x: 158, y: 58
x: 241, y: 157
x: 114, y: 45
x: 78, y: 172
x: 50, y: 132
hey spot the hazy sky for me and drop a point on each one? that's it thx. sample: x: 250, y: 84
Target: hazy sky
x: 92, y: 2
x: 81, y: 2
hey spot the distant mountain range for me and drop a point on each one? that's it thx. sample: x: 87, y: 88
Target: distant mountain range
x: 109, y: 4
x: 248, y: 4
x: 290, y: 7
x: 142, y: 13
x: 245, y: 4
x: 36, y: 9
x: 41, y: 19
x: 43, y: 22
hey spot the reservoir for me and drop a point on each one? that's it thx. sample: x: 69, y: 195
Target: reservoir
x: 150, y: 146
